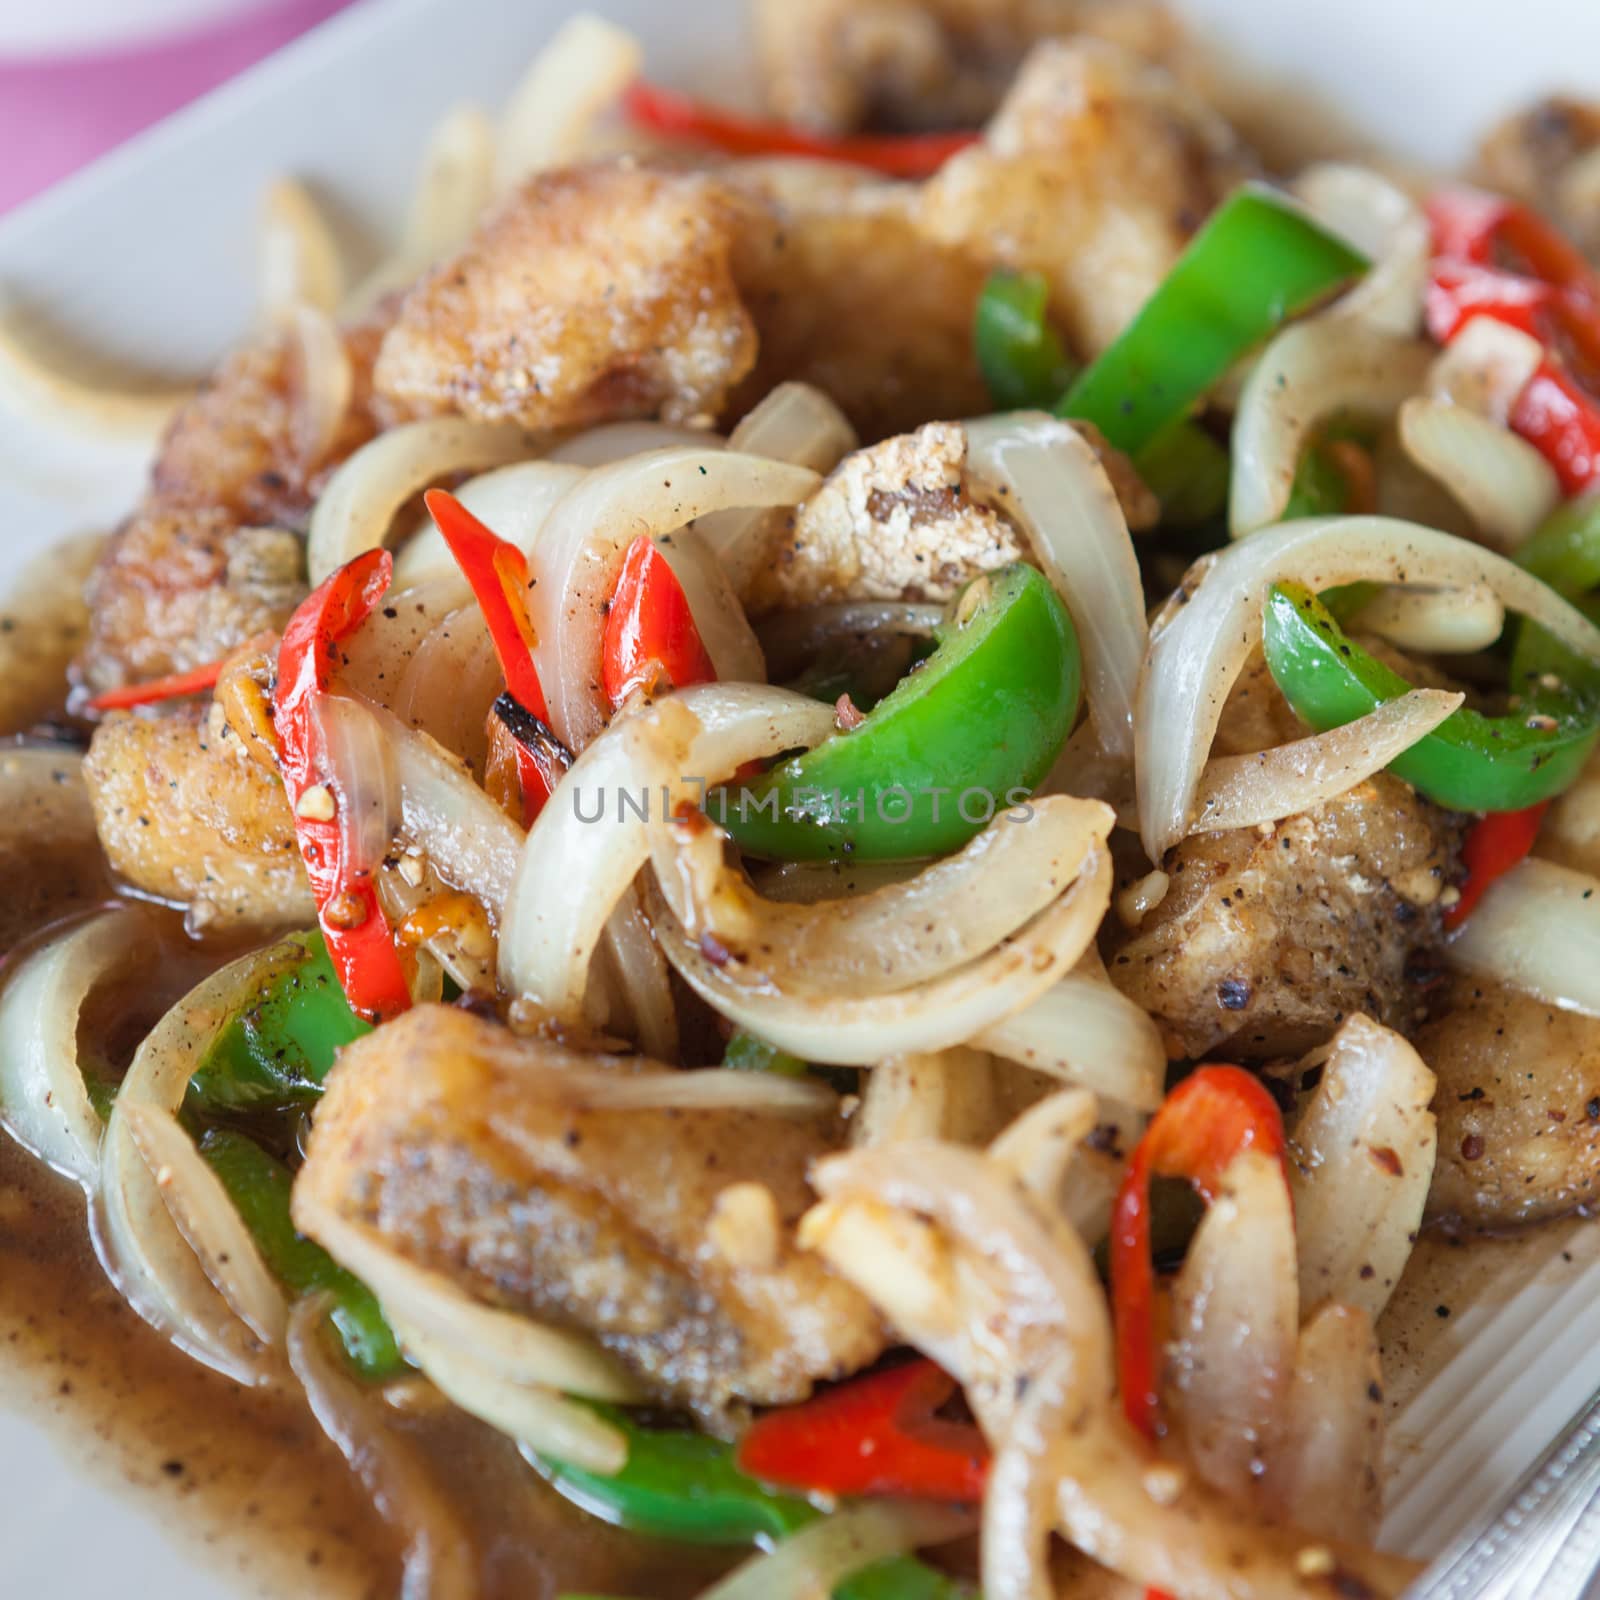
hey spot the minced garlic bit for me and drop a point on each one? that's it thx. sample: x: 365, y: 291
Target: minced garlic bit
x: 744, y: 1228
x: 1164, y: 1483
x: 316, y: 804
x: 1141, y: 897
x: 411, y: 869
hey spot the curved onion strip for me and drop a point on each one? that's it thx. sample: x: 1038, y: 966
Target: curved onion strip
x: 1485, y: 367
x: 323, y: 381
x: 703, y: 1089
x: 581, y: 552
x: 519, y: 1349
x: 515, y: 501
x: 355, y: 509
x: 1505, y: 484
x: 33, y: 387
x: 935, y: 1094
x: 199, y: 1205
x: 1266, y: 785
x: 1085, y: 1031
x: 818, y: 1558
x: 794, y: 422
x: 468, y: 839
x: 932, y: 1016
x: 1386, y: 225
x: 539, y: 1419
x: 581, y: 72
x: 1327, y: 1473
x: 1235, y: 1321
x: 1311, y: 371
x: 1434, y: 620
x: 637, y: 979
x: 1198, y: 647
x: 146, y: 1255
x: 1038, y: 1147
x: 1356, y: 1210
x: 359, y: 754
x: 1043, y: 474
x: 1019, y: 1512
x: 588, y: 845
x: 1537, y: 929
x: 380, y: 652
x: 440, y: 1558
x: 886, y: 939
x: 793, y: 638
x: 450, y: 683
x: 610, y: 442
x: 719, y: 619
x: 453, y: 189
x: 299, y: 257
x: 43, y: 1102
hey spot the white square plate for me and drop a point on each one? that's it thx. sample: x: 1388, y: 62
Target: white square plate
x: 147, y: 257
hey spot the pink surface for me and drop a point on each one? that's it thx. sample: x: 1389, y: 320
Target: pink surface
x: 60, y: 114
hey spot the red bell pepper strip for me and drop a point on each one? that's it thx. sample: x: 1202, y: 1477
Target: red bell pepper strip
x: 1560, y: 419
x: 498, y: 573
x: 1212, y: 1116
x: 872, y: 1435
x: 677, y: 116
x: 650, y: 639
x: 353, y: 923
x: 195, y: 681
x: 1496, y: 843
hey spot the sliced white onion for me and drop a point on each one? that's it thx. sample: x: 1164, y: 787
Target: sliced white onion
x: 1266, y: 785
x: 1432, y: 620
x: 198, y: 1203
x: 938, y: 1094
x: 518, y: 1349
x: 705, y: 1089
x: 323, y: 381
x: 719, y: 619
x: 816, y: 1560
x: 1038, y: 1147
x: 1086, y: 1032
x: 467, y: 838
x: 581, y: 72
x: 585, y: 849
x: 796, y: 423
x: 1363, y: 1159
x: 440, y: 1555
x: 1388, y: 227
x: 33, y: 387
x: 1506, y: 486
x: 515, y: 501
x: 1206, y: 633
x: 539, y: 1419
x: 450, y: 684
x: 1537, y: 929
x: 43, y: 1101
x: 947, y: 1011
x: 360, y: 500
x: 638, y: 980
x: 582, y: 548
x: 1043, y: 474
x: 299, y: 257
x: 362, y: 775
x: 1327, y: 1473
x: 1485, y: 367
x: 1235, y: 1323
x: 1312, y: 371
x: 609, y: 442
x: 143, y: 1250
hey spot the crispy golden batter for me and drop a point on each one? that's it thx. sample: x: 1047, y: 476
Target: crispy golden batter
x: 1095, y: 172
x: 595, y: 292
x: 1518, y: 1105
x: 444, y: 1133
x: 184, y: 812
x: 838, y: 64
x: 213, y: 555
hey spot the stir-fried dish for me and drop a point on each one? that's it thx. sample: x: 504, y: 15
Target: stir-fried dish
x: 868, y: 804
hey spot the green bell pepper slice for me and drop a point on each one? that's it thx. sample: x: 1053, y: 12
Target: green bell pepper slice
x: 985, y: 715
x: 277, y: 1050
x: 744, y: 1052
x: 1259, y: 260
x: 685, y: 1486
x: 1018, y: 352
x: 1565, y: 549
x: 1469, y: 762
x: 259, y: 1186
